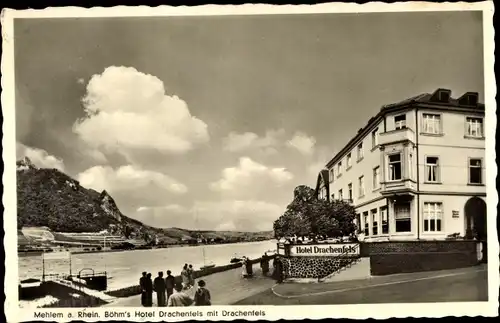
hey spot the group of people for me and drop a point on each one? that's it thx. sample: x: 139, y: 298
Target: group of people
x: 187, y: 276
x: 277, y: 274
x: 172, y: 293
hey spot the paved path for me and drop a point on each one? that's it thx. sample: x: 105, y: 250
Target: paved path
x: 225, y: 288
x: 467, y: 284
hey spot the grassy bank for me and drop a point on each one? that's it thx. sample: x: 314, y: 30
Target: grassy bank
x: 136, y: 290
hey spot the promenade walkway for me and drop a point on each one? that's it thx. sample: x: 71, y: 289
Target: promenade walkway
x: 226, y: 288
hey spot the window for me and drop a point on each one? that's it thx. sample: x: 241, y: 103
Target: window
x: 350, y: 191
x: 365, y: 218
x: 432, y: 123
x: 402, y: 217
x: 474, y: 127
x: 349, y: 160
x: 358, y: 222
x: 395, y: 170
x: 339, y: 170
x: 376, y: 178
x: 361, y: 186
x: 360, y: 151
x: 410, y: 166
x: 340, y: 195
x: 385, y: 220
x: 331, y: 175
x: 333, y: 196
x: 431, y: 169
x: 475, y: 171
x: 374, y: 138
x: 433, y: 216
x: 400, y: 121
x: 374, y: 222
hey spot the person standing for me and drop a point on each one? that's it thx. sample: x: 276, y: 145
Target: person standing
x: 159, y: 287
x: 169, y: 284
x: 179, y: 298
x: 148, y: 286
x: 249, y: 266
x: 278, y: 269
x: 202, y: 296
x: 244, y: 267
x: 191, y: 276
x: 264, y: 264
x: 185, y: 276
x: 142, y: 284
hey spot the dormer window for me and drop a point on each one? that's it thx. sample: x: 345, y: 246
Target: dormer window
x: 469, y: 99
x: 400, y: 121
x: 441, y: 95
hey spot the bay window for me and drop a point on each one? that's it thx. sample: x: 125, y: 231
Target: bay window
x: 395, y: 169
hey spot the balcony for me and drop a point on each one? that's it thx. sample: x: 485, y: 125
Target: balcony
x: 395, y: 136
x: 403, y: 186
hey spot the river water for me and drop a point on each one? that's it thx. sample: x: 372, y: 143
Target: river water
x: 125, y: 267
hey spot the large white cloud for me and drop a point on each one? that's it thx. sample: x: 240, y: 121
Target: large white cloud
x: 249, y: 175
x: 129, y: 111
x: 39, y: 157
x: 224, y: 215
x: 303, y: 143
x: 129, y: 179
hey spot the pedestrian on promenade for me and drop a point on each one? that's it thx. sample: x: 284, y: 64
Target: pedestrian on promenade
x: 142, y: 284
x: 185, y: 276
x: 244, y: 273
x: 191, y: 276
x: 249, y: 266
x: 202, y: 295
x: 148, y: 286
x: 159, y: 287
x: 169, y: 284
x: 179, y: 298
x: 264, y: 264
x: 278, y: 269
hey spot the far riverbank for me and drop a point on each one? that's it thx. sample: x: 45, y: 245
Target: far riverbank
x: 78, y: 250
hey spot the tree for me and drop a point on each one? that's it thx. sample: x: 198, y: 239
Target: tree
x: 307, y: 215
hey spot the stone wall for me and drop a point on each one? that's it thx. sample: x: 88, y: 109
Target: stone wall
x: 314, y: 267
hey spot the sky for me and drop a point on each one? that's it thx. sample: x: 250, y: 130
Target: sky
x: 211, y: 122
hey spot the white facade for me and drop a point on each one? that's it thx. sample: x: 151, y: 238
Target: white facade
x: 411, y: 170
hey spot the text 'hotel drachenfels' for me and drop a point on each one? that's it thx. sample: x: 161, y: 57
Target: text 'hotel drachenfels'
x: 415, y: 171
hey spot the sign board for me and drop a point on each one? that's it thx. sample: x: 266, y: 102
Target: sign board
x: 337, y: 249
x: 455, y: 214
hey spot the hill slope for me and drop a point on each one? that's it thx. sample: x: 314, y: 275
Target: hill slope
x: 52, y: 199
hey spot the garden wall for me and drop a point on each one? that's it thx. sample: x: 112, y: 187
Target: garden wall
x: 414, y: 256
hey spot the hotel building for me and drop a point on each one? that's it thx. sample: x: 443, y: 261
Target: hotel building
x: 416, y: 171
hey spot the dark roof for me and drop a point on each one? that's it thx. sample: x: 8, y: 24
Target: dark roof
x: 430, y: 100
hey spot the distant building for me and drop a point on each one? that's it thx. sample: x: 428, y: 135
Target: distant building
x: 416, y: 170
